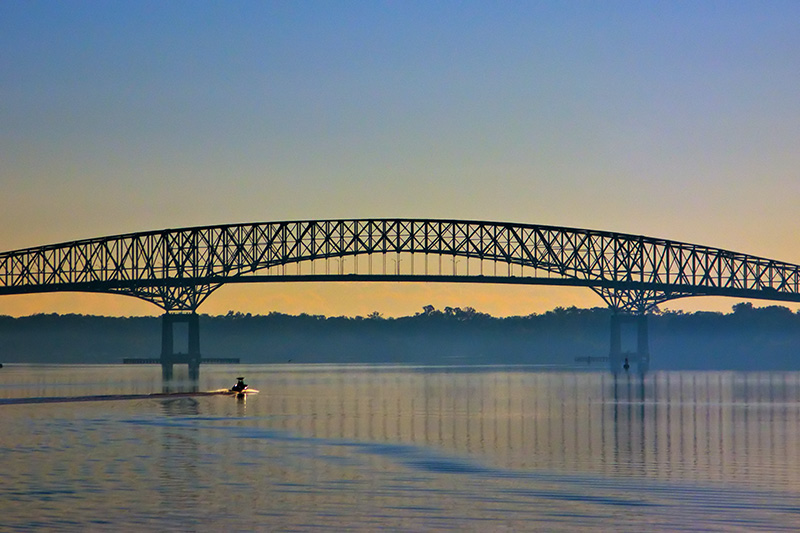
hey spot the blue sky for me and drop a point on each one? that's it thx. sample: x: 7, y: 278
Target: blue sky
x: 671, y: 119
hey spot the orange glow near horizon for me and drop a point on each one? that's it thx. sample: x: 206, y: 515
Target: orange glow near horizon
x: 353, y: 299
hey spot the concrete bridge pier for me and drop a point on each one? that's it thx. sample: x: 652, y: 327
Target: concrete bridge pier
x: 169, y: 356
x: 622, y: 360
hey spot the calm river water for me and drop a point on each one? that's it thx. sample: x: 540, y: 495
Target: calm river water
x: 403, y: 448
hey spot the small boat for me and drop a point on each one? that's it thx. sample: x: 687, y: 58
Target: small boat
x: 241, y: 388
x: 240, y: 385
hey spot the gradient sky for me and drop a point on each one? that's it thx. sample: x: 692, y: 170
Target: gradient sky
x: 669, y: 119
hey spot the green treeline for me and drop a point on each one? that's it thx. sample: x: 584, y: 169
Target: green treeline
x: 748, y: 338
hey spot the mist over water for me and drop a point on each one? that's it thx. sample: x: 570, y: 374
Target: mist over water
x: 410, y: 448
x: 748, y: 339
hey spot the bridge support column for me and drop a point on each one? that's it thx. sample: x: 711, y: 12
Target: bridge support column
x: 169, y: 356
x: 167, y: 343
x: 622, y: 360
x: 643, y: 344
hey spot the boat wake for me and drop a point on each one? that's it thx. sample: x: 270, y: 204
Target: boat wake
x: 117, y: 397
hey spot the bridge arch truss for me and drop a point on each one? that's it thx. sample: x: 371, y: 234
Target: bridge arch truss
x: 177, y: 269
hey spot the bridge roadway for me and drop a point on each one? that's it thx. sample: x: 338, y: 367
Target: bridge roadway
x: 177, y: 269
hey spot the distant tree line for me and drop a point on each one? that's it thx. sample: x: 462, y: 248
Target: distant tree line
x: 765, y: 338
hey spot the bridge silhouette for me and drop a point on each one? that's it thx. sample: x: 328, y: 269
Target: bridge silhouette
x: 177, y: 269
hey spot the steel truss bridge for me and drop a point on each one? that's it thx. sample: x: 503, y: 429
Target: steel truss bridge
x: 177, y: 269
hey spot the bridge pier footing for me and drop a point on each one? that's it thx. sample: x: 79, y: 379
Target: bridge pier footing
x: 623, y: 360
x: 169, y: 356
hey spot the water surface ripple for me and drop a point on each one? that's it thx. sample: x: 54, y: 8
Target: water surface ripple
x: 406, y: 449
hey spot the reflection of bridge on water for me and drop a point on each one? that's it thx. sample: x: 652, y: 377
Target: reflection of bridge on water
x: 177, y: 269
x: 671, y: 425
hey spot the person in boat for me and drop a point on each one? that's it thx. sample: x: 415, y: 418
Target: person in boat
x: 240, y: 385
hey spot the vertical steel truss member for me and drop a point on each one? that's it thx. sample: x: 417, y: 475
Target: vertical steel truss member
x: 168, y: 355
